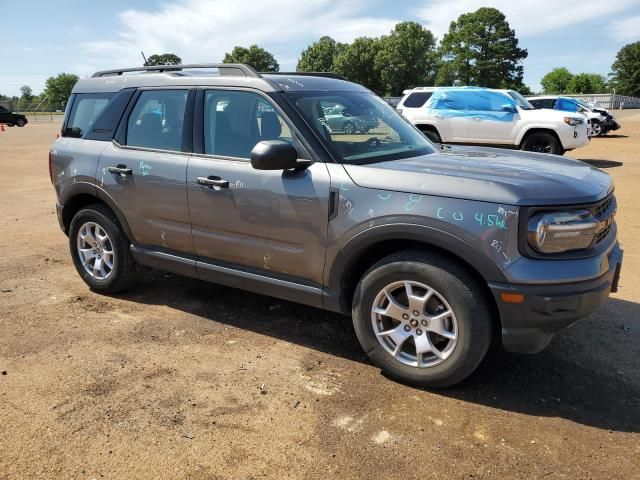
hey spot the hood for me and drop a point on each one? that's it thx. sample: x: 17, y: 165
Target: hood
x: 490, y: 175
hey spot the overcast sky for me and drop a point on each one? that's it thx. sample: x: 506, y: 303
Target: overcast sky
x: 43, y: 38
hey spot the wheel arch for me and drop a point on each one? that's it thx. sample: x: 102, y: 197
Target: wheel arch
x: 423, y: 127
x: 530, y: 131
x: 358, y: 255
x: 83, y: 197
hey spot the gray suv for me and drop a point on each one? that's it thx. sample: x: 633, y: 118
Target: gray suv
x: 220, y: 173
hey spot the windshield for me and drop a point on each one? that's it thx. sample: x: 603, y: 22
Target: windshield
x: 520, y: 100
x: 359, y: 127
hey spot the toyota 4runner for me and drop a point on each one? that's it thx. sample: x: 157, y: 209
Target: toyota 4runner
x: 499, y: 118
x: 220, y: 173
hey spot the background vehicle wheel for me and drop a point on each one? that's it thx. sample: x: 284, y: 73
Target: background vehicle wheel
x: 596, y: 128
x: 349, y: 128
x: 542, y: 142
x: 432, y: 135
x: 421, y: 319
x: 100, y: 250
x: 21, y: 122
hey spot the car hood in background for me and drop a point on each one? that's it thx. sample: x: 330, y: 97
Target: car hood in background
x: 488, y: 174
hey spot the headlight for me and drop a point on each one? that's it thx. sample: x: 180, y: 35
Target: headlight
x: 555, y: 232
x: 573, y: 121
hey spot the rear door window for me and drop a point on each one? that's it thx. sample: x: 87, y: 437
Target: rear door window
x: 84, y: 112
x: 417, y: 99
x: 157, y: 120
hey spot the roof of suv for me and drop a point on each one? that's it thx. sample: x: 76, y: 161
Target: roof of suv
x: 227, y: 75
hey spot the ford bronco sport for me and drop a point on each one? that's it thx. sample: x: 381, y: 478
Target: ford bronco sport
x: 220, y: 173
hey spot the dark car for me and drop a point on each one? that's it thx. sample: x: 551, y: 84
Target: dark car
x: 9, y: 118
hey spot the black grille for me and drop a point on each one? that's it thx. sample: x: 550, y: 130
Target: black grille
x: 604, y: 211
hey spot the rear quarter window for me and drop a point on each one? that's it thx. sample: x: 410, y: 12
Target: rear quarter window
x: 85, y: 110
x: 417, y: 99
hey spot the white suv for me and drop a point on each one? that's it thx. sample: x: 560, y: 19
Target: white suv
x: 503, y: 118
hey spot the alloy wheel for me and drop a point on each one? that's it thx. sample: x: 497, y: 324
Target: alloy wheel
x: 414, y: 323
x: 95, y: 250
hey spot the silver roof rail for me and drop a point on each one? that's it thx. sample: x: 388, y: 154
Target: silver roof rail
x: 226, y: 69
x: 308, y: 74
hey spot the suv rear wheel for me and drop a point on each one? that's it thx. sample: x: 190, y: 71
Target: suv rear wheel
x: 431, y: 133
x: 542, y: 142
x: 21, y: 122
x: 100, y: 250
x: 421, y: 319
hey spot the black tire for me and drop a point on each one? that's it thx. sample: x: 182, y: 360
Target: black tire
x: 463, y: 294
x: 597, y: 129
x: 123, y: 273
x: 349, y: 128
x: 21, y: 122
x: 432, y: 135
x: 542, y: 142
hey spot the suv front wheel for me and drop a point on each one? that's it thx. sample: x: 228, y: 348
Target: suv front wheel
x: 421, y: 319
x: 100, y: 250
x: 542, y: 142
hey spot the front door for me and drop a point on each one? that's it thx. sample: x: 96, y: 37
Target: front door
x: 272, y: 222
x: 146, y: 177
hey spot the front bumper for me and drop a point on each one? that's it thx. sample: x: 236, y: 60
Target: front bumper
x: 528, y: 327
x: 574, y: 137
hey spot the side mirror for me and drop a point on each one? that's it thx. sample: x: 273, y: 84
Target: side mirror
x: 508, y: 108
x: 276, y: 155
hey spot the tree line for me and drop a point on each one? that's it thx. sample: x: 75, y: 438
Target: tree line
x: 480, y: 48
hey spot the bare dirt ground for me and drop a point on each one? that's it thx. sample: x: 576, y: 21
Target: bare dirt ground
x: 183, y: 379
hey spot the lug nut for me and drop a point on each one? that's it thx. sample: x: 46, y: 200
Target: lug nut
x: 404, y: 315
x: 407, y: 328
x: 416, y: 313
x: 418, y: 332
x: 424, y: 323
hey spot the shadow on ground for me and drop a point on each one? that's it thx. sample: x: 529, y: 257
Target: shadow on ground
x: 602, y: 163
x: 571, y: 379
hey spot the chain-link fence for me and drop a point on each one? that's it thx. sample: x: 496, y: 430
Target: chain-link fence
x: 42, y: 111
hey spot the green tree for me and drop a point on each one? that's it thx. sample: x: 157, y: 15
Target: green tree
x: 26, y: 92
x: 320, y: 56
x: 556, y: 81
x: 59, y: 88
x: 357, y: 63
x: 255, y: 56
x: 406, y: 58
x: 625, y: 75
x: 587, y: 83
x: 483, y: 50
x: 163, y: 59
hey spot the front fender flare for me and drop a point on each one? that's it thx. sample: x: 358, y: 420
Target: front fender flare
x: 337, y: 290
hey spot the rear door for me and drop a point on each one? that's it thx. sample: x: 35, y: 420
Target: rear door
x: 144, y: 170
x: 270, y: 222
x: 448, y: 111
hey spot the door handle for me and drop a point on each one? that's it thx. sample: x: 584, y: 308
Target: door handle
x: 120, y: 169
x: 212, y: 181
